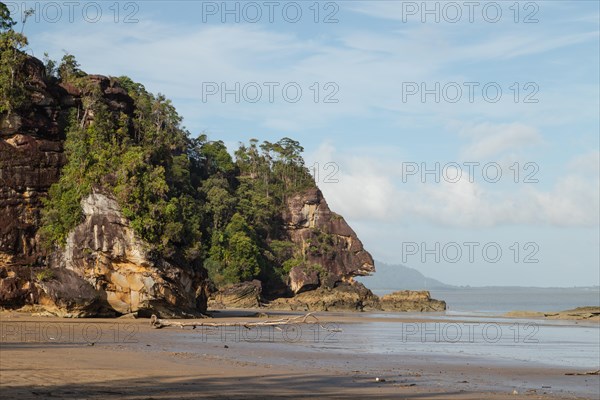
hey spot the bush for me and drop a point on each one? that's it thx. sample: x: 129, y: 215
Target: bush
x: 45, y: 275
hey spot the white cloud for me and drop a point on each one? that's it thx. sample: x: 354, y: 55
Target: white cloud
x: 491, y: 140
x: 366, y: 191
x: 574, y: 201
x: 362, y: 191
x: 586, y: 164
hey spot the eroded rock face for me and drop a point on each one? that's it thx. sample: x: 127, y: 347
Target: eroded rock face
x: 105, y: 252
x: 326, y: 240
x: 60, y: 293
x: 31, y: 156
x: 16, y: 287
x: 241, y: 295
x: 104, y: 270
x: 412, y: 301
x: 303, y: 279
x: 66, y: 294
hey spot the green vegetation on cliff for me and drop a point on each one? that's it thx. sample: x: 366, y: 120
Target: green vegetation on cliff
x: 188, y: 198
x: 12, y: 79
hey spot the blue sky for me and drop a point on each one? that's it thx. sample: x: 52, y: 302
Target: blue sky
x: 371, y: 57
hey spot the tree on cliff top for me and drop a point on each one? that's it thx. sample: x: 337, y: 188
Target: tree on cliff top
x: 12, y: 82
x: 6, y: 21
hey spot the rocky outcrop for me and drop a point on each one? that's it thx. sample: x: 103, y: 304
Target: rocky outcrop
x: 346, y: 296
x: 411, y: 301
x: 104, y: 270
x: 331, y: 250
x: 331, y: 255
x: 589, y: 313
x: 104, y: 251
x: 241, y: 295
x: 58, y: 292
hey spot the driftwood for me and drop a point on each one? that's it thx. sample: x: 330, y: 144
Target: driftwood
x: 309, y: 318
x: 584, y: 373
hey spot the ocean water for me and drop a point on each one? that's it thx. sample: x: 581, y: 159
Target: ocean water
x: 472, y: 331
x: 427, y: 337
x: 499, y: 300
x: 554, y: 343
x: 473, y: 328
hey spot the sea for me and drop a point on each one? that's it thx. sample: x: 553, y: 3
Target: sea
x: 473, y: 324
x: 473, y: 330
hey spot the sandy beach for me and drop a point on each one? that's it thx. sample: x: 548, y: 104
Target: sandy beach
x: 45, y: 357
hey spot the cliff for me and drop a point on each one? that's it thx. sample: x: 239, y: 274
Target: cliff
x: 332, y: 251
x: 106, y: 268
x: 31, y: 157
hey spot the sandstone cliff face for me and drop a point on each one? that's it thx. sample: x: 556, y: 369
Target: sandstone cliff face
x: 106, y: 253
x: 324, y: 239
x: 31, y: 156
x: 104, y: 269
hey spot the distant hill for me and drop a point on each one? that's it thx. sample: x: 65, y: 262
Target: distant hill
x: 399, y: 277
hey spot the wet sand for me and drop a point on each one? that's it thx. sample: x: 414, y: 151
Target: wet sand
x: 44, y: 357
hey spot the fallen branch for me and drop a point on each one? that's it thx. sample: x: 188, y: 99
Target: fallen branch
x: 309, y: 318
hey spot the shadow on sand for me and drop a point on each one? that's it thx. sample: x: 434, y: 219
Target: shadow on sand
x: 239, y: 387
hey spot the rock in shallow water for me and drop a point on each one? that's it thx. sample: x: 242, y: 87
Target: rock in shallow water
x: 346, y: 296
x: 411, y: 301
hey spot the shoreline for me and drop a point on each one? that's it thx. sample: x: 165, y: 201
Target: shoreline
x: 133, y: 360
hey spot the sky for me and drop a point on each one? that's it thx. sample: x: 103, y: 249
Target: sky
x: 458, y: 138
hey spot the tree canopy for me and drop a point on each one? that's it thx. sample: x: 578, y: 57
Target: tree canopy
x: 6, y: 21
x: 187, y: 197
x: 13, y: 93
